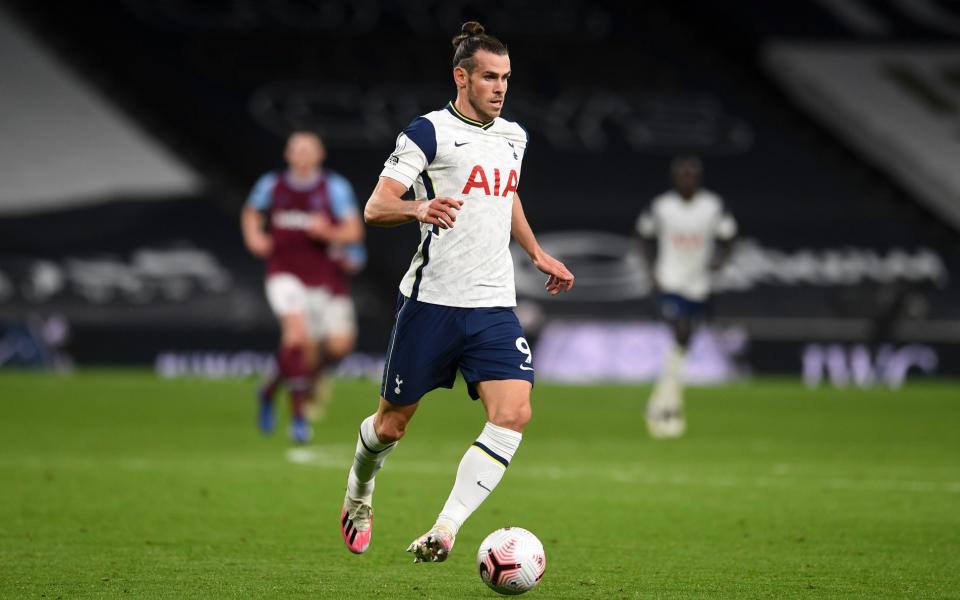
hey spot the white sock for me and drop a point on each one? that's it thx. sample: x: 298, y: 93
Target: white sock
x: 668, y: 392
x: 367, y: 460
x: 479, y: 472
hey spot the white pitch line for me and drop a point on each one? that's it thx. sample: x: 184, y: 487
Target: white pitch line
x: 333, y: 457
x: 337, y: 458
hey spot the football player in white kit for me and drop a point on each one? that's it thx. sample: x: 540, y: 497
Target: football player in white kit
x: 454, y: 309
x: 689, y: 232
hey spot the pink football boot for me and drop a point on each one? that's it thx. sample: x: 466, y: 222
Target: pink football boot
x: 356, y: 524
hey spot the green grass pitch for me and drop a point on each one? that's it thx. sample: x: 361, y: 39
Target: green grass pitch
x: 118, y: 484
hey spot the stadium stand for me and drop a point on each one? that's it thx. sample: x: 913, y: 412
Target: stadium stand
x: 835, y: 247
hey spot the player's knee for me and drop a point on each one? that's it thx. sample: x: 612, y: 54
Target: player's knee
x: 294, y: 341
x: 512, y: 417
x: 391, y: 427
x: 338, y: 347
x: 295, y: 337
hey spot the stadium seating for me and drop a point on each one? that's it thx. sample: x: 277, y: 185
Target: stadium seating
x: 608, y: 92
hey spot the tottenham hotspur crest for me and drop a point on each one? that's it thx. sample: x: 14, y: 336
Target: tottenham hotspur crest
x: 396, y: 390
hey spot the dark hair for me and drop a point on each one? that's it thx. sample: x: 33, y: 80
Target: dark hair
x: 305, y: 131
x: 470, y: 39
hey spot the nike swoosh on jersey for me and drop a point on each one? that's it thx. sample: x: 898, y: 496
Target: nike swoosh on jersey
x: 458, y: 144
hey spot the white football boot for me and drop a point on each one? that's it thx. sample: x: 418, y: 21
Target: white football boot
x: 433, y: 546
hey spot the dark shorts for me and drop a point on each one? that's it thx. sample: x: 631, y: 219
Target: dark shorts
x: 674, y: 307
x: 430, y: 342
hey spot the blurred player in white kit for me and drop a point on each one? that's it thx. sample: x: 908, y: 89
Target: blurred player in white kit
x: 685, y: 234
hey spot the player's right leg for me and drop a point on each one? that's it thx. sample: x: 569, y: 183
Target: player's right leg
x: 266, y: 420
x: 295, y: 365
x: 421, y: 356
x: 665, y: 412
x: 378, y: 436
x: 288, y: 299
x: 337, y: 332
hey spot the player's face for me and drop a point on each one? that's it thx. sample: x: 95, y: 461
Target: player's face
x: 304, y: 152
x: 486, y: 85
x: 686, y: 180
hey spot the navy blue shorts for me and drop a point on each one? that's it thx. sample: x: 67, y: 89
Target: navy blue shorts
x: 674, y: 307
x: 430, y: 342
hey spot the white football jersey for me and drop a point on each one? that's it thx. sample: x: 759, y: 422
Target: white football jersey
x: 686, y: 230
x: 443, y: 153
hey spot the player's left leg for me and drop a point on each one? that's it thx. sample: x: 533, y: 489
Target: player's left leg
x: 507, y: 403
x: 665, y: 411
x: 665, y: 414
x: 498, y: 366
x: 336, y: 329
x: 331, y: 351
x: 295, y: 360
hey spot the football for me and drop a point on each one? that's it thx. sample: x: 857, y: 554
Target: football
x: 511, y: 560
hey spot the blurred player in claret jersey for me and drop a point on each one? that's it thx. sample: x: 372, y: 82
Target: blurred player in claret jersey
x: 455, y: 306
x: 304, y: 221
x: 687, y: 233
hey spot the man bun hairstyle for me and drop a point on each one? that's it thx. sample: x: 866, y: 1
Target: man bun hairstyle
x: 473, y: 37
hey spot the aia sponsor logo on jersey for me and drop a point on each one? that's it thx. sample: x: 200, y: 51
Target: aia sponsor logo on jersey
x: 480, y: 179
x: 687, y: 240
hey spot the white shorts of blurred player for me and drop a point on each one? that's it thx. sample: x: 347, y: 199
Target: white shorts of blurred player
x: 327, y: 315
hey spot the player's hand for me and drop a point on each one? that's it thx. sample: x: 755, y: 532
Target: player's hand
x: 260, y: 246
x: 348, y: 267
x: 560, y: 278
x: 320, y: 227
x: 439, y: 211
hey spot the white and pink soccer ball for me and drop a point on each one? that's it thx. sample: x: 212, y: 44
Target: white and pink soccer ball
x: 511, y: 560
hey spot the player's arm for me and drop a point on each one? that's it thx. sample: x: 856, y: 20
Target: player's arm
x: 646, y: 236
x: 724, y: 234
x: 647, y: 247
x: 416, y: 150
x: 350, y: 258
x: 347, y: 231
x: 348, y: 228
x: 258, y: 242
x: 387, y: 208
x: 560, y: 278
x: 722, y: 250
x: 252, y: 219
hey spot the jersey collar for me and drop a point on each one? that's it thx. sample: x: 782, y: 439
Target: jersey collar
x: 453, y: 111
x: 302, y: 184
